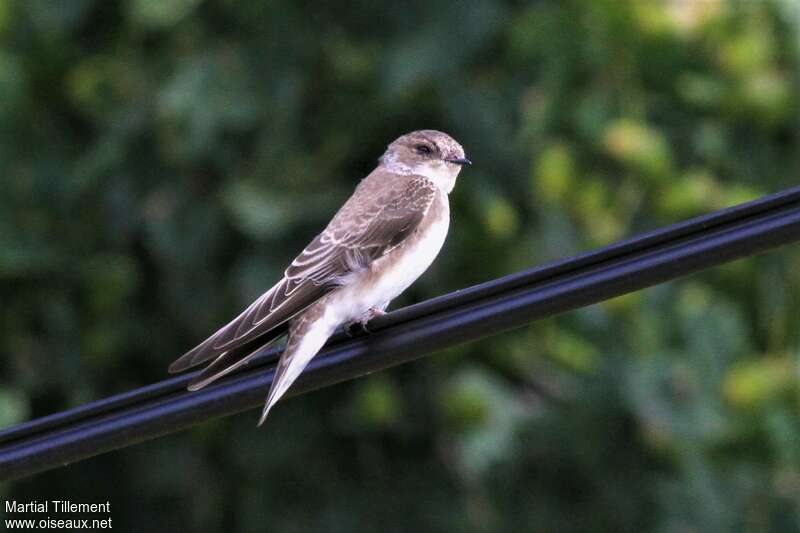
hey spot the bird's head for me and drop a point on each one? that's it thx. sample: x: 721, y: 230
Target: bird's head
x: 429, y: 153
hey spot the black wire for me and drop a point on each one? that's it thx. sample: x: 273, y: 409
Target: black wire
x: 411, y: 333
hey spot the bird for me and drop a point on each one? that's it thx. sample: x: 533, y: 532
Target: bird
x: 379, y: 242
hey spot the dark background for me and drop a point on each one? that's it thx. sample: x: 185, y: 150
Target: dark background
x: 162, y: 161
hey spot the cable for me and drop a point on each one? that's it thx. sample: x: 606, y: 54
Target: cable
x: 411, y: 332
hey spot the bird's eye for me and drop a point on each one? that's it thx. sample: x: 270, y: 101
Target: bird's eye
x: 423, y: 149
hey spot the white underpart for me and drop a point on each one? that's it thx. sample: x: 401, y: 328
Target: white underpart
x: 442, y: 173
x: 311, y: 342
x: 354, y: 300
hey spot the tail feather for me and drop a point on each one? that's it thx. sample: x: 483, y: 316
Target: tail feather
x: 307, y: 336
x: 271, y: 310
x: 229, y: 361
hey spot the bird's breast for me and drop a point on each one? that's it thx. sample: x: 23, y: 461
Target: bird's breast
x: 393, y: 273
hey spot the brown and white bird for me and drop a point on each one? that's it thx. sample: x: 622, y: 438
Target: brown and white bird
x: 380, y: 241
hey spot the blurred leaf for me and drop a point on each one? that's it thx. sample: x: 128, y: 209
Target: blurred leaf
x: 14, y: 407
x: 639, y: 146
x: 160, y: 13
x: 753, y: 383
x: 259, y: 212
x: 377, y: 403
x: 12, y: 82
x: 501, y: 217
x: 555, y: 173
x: 485, y: 416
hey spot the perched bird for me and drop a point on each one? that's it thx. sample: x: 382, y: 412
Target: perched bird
x: 381, y: 240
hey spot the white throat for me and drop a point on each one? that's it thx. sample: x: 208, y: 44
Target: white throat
x: 442, y: 174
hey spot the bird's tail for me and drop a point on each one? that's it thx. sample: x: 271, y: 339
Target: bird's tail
x: 307, y: 335
x: 231, y: 360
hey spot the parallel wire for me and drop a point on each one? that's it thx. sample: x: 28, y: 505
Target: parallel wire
x: 410, y: 333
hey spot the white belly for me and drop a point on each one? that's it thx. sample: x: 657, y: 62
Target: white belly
x: 399, y: 270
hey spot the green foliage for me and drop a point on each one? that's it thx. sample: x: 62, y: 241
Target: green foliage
x: 162, y: 161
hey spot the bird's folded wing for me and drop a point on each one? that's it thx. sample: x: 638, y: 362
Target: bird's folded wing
x: 372, y: 222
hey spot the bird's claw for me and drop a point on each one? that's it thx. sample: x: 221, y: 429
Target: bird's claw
x: 362, y: 323
x: 373, y: 312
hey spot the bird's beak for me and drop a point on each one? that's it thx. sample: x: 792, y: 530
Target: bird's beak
x: 459, y: 161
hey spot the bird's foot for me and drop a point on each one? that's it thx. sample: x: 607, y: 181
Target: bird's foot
x: 363, y: 320
x: 375, y: 312
x: 372, y: 313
